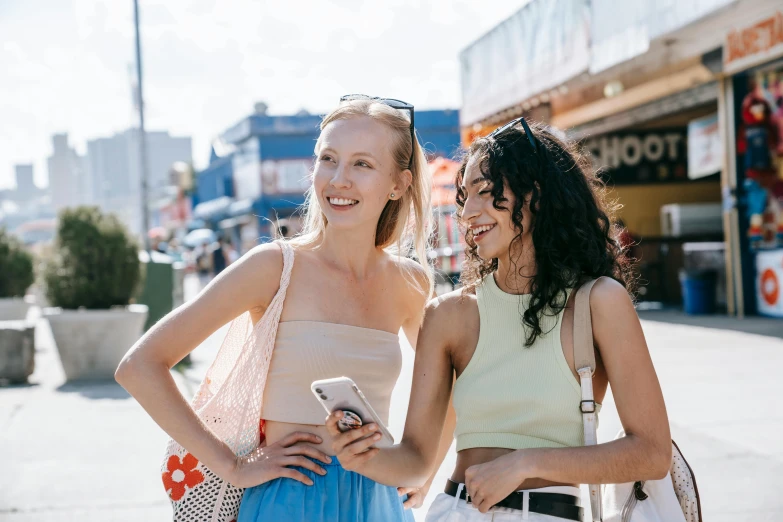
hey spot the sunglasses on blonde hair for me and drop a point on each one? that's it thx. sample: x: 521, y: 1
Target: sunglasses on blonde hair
x: 394, y: 104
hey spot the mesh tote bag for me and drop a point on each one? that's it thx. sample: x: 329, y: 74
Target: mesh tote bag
x: 673, y: 498
x: 229, y: 401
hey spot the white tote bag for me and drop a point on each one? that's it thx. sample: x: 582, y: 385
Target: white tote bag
x: 673, y: 498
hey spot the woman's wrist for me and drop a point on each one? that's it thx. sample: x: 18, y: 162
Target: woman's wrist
x: 227, y: 464
x: 527, y: 463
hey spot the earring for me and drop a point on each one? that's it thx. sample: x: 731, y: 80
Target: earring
x: 392, y: 195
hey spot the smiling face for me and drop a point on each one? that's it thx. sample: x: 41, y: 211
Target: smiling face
x: 492, y: 230
x: 355, y: 173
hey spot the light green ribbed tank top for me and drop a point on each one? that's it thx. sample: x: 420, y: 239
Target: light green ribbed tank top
x: 513, y: 396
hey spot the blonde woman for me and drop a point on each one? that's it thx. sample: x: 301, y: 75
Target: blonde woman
x: 351, y: 290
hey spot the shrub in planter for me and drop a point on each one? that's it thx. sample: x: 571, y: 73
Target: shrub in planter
x: 95, y: 264
x: 91, y: 278
x: 17, y: 338
x: 16, y: 266
x: 16, y: 276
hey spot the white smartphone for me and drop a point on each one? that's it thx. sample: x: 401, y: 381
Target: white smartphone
x: 343, y: 394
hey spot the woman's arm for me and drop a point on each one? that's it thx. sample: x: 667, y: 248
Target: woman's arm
x: 643, y: 454
x: 410, y: 463
x: 412, y: 329
x: 249, y: 284
x: 416, y: 496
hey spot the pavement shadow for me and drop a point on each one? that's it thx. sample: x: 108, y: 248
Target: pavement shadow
x: 95, y: 389
x: 757, y: 325
x: 5, y: 384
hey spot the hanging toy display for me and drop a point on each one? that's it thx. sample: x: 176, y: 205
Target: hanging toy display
x: 759, y: 141
x: 778, y: 115
x: 779, y: 233
x: 758, y: 136
x: 756, y: 197
x: 756, y: 232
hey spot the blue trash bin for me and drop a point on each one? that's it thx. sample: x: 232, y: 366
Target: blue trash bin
x: 698, y: 291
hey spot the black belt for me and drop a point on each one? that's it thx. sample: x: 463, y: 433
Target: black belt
x: 552, y: 504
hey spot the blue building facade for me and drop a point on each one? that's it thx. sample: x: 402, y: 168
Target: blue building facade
x: 217, y: 180
x: 252, y: 195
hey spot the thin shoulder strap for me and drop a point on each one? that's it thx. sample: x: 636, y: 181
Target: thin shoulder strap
x: 584, y: 363
x: 275, y: 308
x: 288, y: 264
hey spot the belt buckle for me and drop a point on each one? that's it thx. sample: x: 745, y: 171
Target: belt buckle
x: 467, y: 497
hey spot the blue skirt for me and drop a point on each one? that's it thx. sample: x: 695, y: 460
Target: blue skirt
x: 338, y: 496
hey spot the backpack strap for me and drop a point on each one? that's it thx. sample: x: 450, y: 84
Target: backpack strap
x: 584, y: 352
x: 584, y: 364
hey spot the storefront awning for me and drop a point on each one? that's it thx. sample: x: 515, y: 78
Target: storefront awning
x: 210, y: 210
x: 672, y: 104
x: 240, y: 208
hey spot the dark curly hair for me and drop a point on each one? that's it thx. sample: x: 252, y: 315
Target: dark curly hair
x: 573, y: 236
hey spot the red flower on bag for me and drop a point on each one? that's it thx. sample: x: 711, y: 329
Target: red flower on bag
x: 181, y: 474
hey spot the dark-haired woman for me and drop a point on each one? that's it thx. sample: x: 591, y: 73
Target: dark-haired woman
x: 537, y: 227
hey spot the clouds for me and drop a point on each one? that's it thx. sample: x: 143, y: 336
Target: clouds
x: 206, y: 62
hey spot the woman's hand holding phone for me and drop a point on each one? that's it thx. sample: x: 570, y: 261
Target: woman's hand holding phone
x: 353, y: 448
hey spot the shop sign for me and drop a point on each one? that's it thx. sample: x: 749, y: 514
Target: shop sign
x: 641, y: 157
x: 705, y: 149
x: 755, y: 44
x: 286, y: 176
x: 769, y: 278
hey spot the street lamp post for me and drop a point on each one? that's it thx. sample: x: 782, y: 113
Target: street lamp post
x: 142, y: 135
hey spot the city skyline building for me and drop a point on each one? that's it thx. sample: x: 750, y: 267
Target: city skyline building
x: 25, y: 186
x: 68, y: 182
x: 114, y: 172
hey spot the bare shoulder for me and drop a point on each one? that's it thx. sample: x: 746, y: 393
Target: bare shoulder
x: 417, y: 284
x: 609, y: 296
x: 267, y: 257
x: 257, y: 273
x: 616, y: 325
x: 452, y: 314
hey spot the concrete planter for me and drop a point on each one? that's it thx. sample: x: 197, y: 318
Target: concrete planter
x: 13, y: 309
x: 91, y: 343
x: 17, y: 351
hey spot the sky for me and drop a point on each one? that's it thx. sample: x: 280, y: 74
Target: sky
x: 67, y: 65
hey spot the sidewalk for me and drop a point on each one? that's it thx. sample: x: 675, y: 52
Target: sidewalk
x: 83, y: 452
x: 88, y: 452
x: 723, y: 390
x: 766, y: 326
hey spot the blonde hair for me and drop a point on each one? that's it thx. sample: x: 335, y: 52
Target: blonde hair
x: 405, y: 225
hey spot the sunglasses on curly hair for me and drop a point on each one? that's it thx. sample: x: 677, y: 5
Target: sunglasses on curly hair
x: 532, y: 139
x: 394, y: 104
